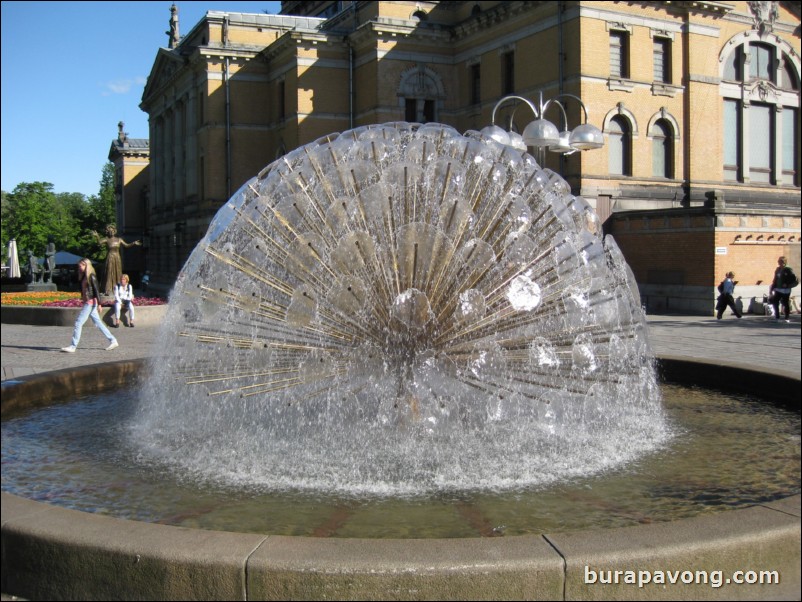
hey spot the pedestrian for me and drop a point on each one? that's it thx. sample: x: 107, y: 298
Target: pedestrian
x: 726, y: 299
x: 124, y: 297
x: 90, y: 295
x: 782, y: 282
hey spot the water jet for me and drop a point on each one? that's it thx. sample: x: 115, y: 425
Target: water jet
x: 403, y: 310
x: 362, y: 317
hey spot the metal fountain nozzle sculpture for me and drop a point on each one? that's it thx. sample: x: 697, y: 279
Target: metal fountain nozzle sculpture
x: 400, y: 309
x: 542, y: 133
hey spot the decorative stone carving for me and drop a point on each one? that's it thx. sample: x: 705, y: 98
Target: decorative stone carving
x: 764, y: 14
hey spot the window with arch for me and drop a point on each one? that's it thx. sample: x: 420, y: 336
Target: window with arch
x: 619, y: 146
x: 419, y: 91
x: 662, y: 149
x: 760, y: 91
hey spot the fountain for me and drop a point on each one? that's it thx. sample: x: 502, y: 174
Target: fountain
x: 401, y: 311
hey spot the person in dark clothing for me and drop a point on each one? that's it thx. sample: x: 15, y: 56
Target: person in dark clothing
x: 726, y: 299
x: 780, y: 290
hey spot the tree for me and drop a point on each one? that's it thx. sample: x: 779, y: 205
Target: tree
x: 32, y: 214
x: 79, y: 240
x: 102, y: 207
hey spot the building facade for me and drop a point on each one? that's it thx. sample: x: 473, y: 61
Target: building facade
x: 131, y: 160
x: 698, y: 103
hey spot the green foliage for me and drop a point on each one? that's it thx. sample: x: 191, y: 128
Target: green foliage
x: 32, y: 213
x: 102, y: 206
x: 98, y: 212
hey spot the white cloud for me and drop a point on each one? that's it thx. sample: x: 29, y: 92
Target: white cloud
x: 122, y: 86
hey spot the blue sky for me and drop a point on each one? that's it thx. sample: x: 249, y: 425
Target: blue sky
x: 70, y: 72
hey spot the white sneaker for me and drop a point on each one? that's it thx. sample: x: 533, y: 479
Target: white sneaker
x: 113, y: 345
x: 70, y: 349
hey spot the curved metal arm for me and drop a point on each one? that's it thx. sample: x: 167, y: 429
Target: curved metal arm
x: 566, y: 95
x: 507, y: 98
x: 562, y: 108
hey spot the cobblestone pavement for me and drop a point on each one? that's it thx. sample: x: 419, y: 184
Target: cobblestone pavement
x: 754, y: 342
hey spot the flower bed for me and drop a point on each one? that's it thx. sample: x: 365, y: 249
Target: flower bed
x: 65, y: 299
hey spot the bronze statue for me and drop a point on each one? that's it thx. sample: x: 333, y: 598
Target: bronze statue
x: 33, y: 267
x: 114, y: 262
x: 50, y: 261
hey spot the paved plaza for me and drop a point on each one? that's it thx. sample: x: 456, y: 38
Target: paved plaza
x: 753, y: 342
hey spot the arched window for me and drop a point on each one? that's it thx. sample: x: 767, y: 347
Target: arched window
x: 662, y: 149
x: 762, y: 62
x: 760, y: 94
x: 789, y: 78
x: 420, y: 90
x: 619, y: 146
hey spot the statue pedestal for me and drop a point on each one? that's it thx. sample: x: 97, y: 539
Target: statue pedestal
x: 41, y: 287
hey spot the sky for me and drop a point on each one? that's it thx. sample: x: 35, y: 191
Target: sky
x: 71, y: 71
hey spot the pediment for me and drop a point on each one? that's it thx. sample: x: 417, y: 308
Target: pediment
x: 166, y: 65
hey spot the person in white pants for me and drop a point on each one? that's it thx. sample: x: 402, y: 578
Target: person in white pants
x: 123, y: 296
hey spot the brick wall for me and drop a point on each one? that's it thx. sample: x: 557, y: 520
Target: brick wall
x: 678, y: 256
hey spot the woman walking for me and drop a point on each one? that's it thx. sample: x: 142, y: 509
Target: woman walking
x: 726, y: 299
x: 90, y: 295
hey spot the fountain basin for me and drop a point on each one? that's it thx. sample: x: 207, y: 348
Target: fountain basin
x: 146, y: 315
x: 51, y: 552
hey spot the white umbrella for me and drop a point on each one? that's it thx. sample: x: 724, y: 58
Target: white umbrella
x: 13, y: 260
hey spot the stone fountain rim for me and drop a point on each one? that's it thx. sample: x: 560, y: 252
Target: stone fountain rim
x: 53, y: 552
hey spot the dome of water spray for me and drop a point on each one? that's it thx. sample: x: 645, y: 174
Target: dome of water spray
x: 401, y: 309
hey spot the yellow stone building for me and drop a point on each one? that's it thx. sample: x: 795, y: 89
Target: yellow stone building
x: 131, y: 160
x: 698, y: 102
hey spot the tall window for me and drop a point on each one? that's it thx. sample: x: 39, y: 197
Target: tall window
x: 619, y: 54
x: 662, y: 150
x: 411, y: 110
x: 760, y: 90
x: 508, y: 73
x: 732, y: 138
x: 761, y: 143
x: 476, y: 84
x: 282, y: 107
x: 619, y: 146
x: 761, y: 62
x: 661, y: 53
x: 790, y: 134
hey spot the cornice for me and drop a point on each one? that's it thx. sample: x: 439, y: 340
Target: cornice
x: 496, y: 15
x: 402, y: 29
x: 692, y: 6
x: 290, y: 41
